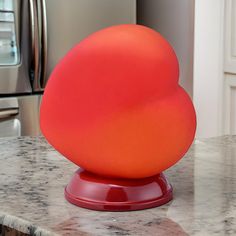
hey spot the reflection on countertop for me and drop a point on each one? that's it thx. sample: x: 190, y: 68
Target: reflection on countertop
x: 33, y: 177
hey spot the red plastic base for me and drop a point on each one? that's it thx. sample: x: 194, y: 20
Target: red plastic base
x: 104, y: 194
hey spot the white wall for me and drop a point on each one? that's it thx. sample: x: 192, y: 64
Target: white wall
x: 208, y: 66
x: 174, y: 19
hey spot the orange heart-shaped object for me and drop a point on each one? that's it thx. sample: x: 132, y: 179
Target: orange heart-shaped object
x: 113, y: 105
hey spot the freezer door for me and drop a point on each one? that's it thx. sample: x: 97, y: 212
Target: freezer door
x: 19, y: 116
x: 68, y: 22
x: 14, y: 47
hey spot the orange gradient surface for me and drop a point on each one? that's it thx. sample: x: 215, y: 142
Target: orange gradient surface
x: 113, y: 105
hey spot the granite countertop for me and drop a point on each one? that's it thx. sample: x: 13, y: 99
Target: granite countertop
x: 33, y: 177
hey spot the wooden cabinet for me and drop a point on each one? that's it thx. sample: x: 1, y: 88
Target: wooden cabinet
x: 229, y: 103
x: 230, y: 36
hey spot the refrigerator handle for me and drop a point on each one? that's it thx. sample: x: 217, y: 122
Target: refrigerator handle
x: 44, y: 43
x: 35, y: 75
x: 6, y: 113
x: 32, y: 25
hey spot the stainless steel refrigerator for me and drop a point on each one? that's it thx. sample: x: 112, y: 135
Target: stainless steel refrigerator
x: 34, y: 35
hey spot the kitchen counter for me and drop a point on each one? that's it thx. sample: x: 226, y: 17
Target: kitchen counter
x: 33, y: 177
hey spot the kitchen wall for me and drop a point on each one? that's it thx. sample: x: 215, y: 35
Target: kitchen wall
x: 208, y: 66
x: 174, y: 19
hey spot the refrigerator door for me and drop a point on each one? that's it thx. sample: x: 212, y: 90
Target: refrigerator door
x: 14, y: 51
x: 66, y: 23
x: 9, y: 124
x: 19, y: 116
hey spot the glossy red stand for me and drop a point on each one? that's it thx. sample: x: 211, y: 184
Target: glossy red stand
x: 99, y: 193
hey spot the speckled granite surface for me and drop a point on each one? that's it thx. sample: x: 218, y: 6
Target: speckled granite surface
x: 33, y: 177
